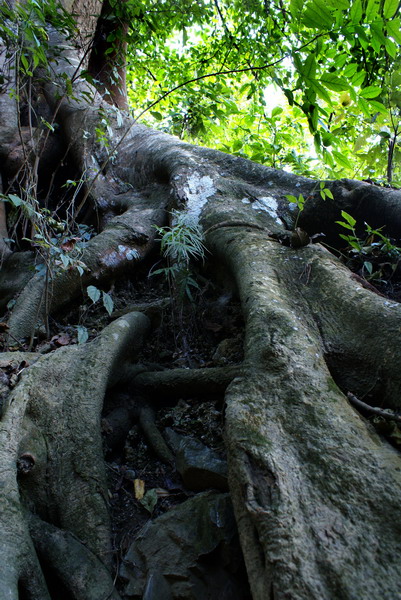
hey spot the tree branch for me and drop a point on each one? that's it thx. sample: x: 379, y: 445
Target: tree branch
x: 373, y: 409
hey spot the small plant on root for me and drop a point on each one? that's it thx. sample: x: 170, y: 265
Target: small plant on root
x: 180, y: 244
x: 375, y: 257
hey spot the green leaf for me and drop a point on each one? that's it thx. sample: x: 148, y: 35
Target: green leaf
x: 350, y: 70
x: 320, y: 90
x: 349, y: 218
x: 333, y: 82
x: 309, y: 68
x: 82, y: 334
x: 356, y: 11
x: 93, y: 293
x: 65, y: 260
x: 358, y: 79
x: 318, y: 15
x: 156, y: 115
x: 371, y: 91
x: 390, y: 8
x: 342, y: 160
x: 379, y: 107
x: 149, y: 500
x: 368, y: 266
x: 394, y: 29
x: 108, y: 302
x: 391, y: 47
x: 346, y: 226
x: 372, y: 10
x: 25, y: 63
x: 277, y: 110
x: 296, y: 7
x: 68, y: 87
x: 378, y: 38
x: 365, y: 107
x: 16, y: 200
x: 354, y: 244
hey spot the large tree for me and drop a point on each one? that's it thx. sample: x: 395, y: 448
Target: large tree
x: 316, y: 491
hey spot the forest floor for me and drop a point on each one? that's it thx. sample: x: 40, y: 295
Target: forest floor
x: 204, y: 332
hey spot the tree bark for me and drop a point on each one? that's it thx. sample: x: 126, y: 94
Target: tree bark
x: 316, y: 491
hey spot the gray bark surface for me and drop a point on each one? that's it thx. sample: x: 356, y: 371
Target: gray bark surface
x: 316, y: 492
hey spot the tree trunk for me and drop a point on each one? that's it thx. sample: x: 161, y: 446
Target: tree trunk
x: 316, y: 491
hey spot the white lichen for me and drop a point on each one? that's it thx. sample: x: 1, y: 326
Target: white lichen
x: 267, y: 204
x: 198, y: 190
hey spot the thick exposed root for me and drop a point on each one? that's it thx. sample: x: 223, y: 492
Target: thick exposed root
x: 185, y: 382
x: 314, y: 487
x: 51, y: 451
x: 72, y: 564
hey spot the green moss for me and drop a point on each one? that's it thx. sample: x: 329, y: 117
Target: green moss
x: 333, y: 387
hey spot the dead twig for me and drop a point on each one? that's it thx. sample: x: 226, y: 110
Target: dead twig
x: 373, y: 409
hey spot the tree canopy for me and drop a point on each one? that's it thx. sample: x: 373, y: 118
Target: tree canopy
x: 334, y: 63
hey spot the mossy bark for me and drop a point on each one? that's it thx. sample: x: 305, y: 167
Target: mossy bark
x: 317, y: 493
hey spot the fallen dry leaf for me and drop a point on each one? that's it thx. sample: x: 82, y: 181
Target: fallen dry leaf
x: 139, y: 488
x: 69, y: 245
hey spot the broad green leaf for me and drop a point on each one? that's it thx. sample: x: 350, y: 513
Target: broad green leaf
x: 391, y: 47
x: 358, y: 78
x: 334, y: 83
x: 368, y: 266
x: 149, y: 500
x: 309, y: 69
x: 24, y: 62
x: 372, y: 10
x: 394, y: 29
x: 156, y: 115
x: 341, y: 4
x: 320, y: 90
x: 356, y: 11
x: 16, y: 200
x: 108, y: 302
x: 296, y: 7
x: 341, y: 59
x: 93, y: 293
x: 377, y: 27
x: 371, y: 91
x: 277, y: 110
x: 378, y: 38
x: 349, y: 218
x: 390, y: 8
x: 350, y: 70
x: 354, y: 244
x: 318, y: 15
x: 65, y: 260
x: 341, y: 159
x: 379, y: 107
x: 365, y: 107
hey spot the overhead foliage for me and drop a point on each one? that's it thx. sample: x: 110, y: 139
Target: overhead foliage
x: 306, y: 86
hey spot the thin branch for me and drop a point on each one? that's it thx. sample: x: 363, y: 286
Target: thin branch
x: 373, y: 409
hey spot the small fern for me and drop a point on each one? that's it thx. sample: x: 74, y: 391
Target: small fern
x: 180, y: 244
